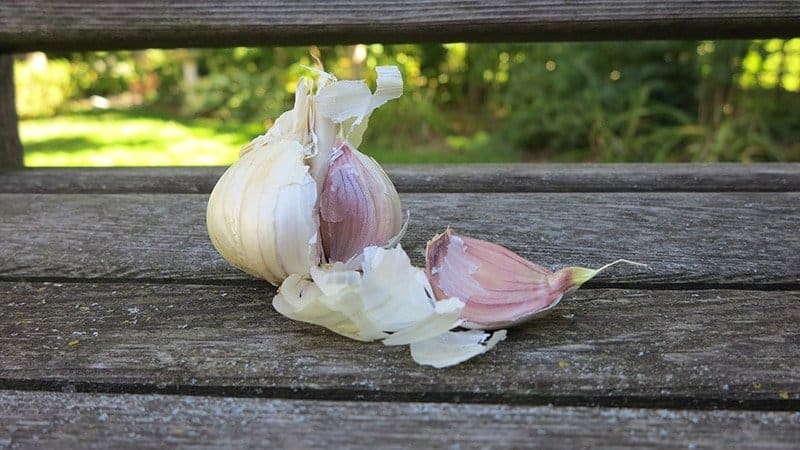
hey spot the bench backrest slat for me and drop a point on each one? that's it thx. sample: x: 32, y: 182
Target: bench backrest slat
x: 27, y: 25
x: 99, y: 24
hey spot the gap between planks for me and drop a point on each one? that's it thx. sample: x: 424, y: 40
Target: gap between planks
x: 687, y: 403
x: 255, y: 282
x: 451, y: 178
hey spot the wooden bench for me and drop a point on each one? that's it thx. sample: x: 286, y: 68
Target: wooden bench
x: 121, y: 326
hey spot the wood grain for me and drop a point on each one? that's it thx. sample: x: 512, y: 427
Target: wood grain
x: 696, y: 349
x: 689, y: 239
x: 92, y: 24
x: 154, y: 421
x: 10, y: 146
x: 519, y: 177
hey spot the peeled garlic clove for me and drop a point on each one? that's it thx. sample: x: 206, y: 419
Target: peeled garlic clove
x: 499, y: 287
x: 359, y: 206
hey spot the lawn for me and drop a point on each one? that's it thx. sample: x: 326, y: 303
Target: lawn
x: 131, y: 138
x: 143, y: 138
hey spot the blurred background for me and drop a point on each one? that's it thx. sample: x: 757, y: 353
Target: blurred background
x: 673, y: 101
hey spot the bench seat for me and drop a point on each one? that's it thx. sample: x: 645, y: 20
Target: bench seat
x: 110, y: 286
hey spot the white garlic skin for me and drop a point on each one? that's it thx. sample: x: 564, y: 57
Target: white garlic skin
x: 262, y: 215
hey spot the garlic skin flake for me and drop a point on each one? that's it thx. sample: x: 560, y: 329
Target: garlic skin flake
x: 452, y: 348
x: 388, y: 300
x: 500, y: 288
x: 263, y: 215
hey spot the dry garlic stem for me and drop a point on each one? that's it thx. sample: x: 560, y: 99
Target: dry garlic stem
x: 499, y: 287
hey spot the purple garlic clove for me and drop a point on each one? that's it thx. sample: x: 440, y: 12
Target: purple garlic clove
x: 359, y: 206
x: 499, y: 287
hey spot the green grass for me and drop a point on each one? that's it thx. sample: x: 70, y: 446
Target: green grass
x: 144, y: 138
x: 131, y: 138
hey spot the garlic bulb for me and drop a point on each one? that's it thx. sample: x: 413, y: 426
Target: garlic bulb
x: 263, y: 215
x: 499, y: 287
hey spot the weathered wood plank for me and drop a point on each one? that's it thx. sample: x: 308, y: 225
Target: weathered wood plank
x: 10, y: 146
x: 152, y: 421
x: 92, y: 24
x: 699, y: 349
x: 767, y: 177
x: 696, y: 240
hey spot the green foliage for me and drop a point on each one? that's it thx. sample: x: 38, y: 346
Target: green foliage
x: 652, y: 101
x: 772, y: 63
x: 42, y: 86
x: 597, y: 101
x: 612, y: 101
x: 103, y: 73
x: 245, y: 84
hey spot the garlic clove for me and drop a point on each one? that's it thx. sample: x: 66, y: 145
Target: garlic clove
x: 296, y: 227
x: 359, y: 206
x: 499, y: 287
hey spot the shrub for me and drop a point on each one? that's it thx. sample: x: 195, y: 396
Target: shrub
x: 42, y: 85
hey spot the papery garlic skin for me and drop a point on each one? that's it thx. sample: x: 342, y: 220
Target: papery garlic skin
x: 386, y: 294
x: 262, y: 214
x: 359, y: 202
x: 500, y: 288
x: 388, y: 300
x: 451, y: 348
